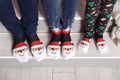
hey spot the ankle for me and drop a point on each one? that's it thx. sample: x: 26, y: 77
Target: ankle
x: 100, y: 40
x: 56, y: 35
x: 19, y: 41
x: 66, y: 38
x: 56, y: 31
x: 33, y: 40
x: 66, y: 31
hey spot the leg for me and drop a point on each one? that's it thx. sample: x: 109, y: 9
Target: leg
x: 104, y: 16
x: 91, y: 14
x: 29, y: 18
x: 102, y: 21
x: 51, y: 9
x: 10, y: 21
x: 68, y: 13
x: 29, y: 21
x: 8, y: 18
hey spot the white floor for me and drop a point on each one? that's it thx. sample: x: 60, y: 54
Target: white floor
x: 60, y: 73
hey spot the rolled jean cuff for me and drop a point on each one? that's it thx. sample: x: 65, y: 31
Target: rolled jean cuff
x: 66, y: 24
x: 54, y: 25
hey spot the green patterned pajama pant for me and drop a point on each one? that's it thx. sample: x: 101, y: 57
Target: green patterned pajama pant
x: 97, y: 15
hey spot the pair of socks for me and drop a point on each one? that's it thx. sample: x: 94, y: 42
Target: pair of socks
x: 61, y: 40
x: 21, y: 51
x: 102, y: 46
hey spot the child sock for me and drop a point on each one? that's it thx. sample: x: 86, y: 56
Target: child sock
x: 37, y: 47
x: 102, y: 45
x: 54, y: 45
x: 20, y: 50
x: 84, y: 44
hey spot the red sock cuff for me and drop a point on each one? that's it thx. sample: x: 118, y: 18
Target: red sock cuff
x: 36, y: 43
x: 86, y: 39
x: 100, y: 40
x: 20, y: 45
x: 56, y: 32
x: 65, y: 32
x: 54, y: 43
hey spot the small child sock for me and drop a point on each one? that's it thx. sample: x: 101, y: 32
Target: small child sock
x: 37, y: 47
x: 20, y: 50
x: 68, y: 49
x: 54, y: 45
x: 84, y: 44
x: 102, y: 45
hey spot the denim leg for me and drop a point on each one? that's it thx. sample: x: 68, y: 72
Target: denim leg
x: 8, y: 17
x: 68, y: 12
x: 29, y: 12
x: 51, y: 10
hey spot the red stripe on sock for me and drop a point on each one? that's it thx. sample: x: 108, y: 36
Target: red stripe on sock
x: 65, y: 32
x: 54, y: 43
x: 100, y: 40
x: 86, y: 39
x: 20, y: 45
x: 36, y: 43
x: 67, y: 43
x: 56, y: 32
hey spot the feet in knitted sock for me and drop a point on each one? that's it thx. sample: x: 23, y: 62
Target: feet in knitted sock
x: 68, y: 49
x: 84, y: 44
x: 102, y: 45
x: 37, y: 47
x: 20, y: 50
x: 53, y: 48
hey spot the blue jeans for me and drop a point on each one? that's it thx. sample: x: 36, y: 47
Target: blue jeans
x: 52, y: 12
x: 29, y: 17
